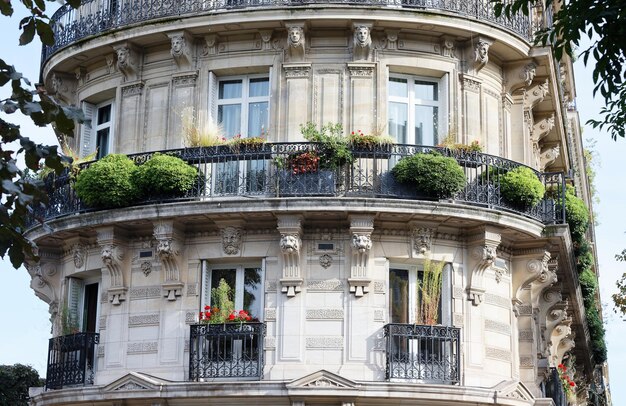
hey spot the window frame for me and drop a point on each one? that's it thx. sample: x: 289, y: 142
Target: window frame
x: 411, y: 102
x: 244, y: 101
x: 89, y: 132
x: 106, y: 125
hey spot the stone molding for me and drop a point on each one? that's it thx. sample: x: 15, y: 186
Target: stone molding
x: 290, y: 228
x: 142, y: 348
x: 325, y: 342
x: 113, y: 254
x: 142, y: 320
x: 144, y: 292
x: 361, y: 228
x: 498, y: 353
x: 324, y: 314
x: 483, y: 253
x: 331, y: 285
x: 361, y: 70
x: 168, y: 249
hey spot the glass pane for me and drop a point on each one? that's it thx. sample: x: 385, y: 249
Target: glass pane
x: 230, y: 89
x: 104, y: 114
x: 102, y: 142
x: 426, y: 91
x: 398, y: 87
x: 397, y: 125
x: 399, y: 295
x: 229, y: 115
x: 426, y: 125
x: 229, y: 275
x: 252, y: 292
x: 258, y: 119
x: 259, y: 87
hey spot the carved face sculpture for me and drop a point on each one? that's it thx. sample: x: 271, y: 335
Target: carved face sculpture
x: 107, y: 254
x: 482, y: 52
x: 178, y: 43
x: 164, y: 247
x: 362, y: 36
x: 289, y: 243
x: 231, y: 240
x: 361, y: 243
x: 122, y: 56
x: 295, y: 36
x: 79, y: 256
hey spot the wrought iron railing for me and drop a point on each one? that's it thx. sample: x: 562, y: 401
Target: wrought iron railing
x: 260, y: 171
x: 94, y: 17
x: 423, y: 353
x: 554, y: 388
x: 230, y: 350
x: 71, y: 360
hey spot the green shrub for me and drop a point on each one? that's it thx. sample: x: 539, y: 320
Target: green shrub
x: 576, y: 214
x: 588, y: 285
x: 108, y: 183
x: 333, y: 151
x: 433, y: 174
x: 165, y: 175
x: 522, y: 187
x: 596, y: 333
x: 584, y: 261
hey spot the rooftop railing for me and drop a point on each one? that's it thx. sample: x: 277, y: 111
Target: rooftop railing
x: 95, y: 17
x: 224, y: 172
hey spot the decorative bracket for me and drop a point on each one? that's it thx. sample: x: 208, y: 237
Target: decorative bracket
x: 296, y: 42
x: 112, y: 252
x: 483, y: 253
x: 535, y: 93
x: 536, y: 264
x: 128, y: 60
x: 362, y: 41
x: 181, y: 45
x: 168, y: 250
x: 481, y: 52
x: 232, y: 236
x: 548, y: 155
x: 422, y: 238
x: 290, y: 228
x: 361, y: 228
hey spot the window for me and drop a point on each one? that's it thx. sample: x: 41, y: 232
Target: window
x: 243, y: 106
x: 246, y: 281
x: 82, y: 307
x: 408, y: 303
x: 416, y: 110
x: 99, y: 136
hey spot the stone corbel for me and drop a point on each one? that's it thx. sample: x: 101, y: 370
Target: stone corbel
x: 535, y: 93
x: 361, y: 228
x: 113, y: 254
x: 232, y: 232
x: 210, y: 44
x: 483, y: 253
x: 422, y: 238
x: 541, y: 127
x: 519, y: 75
x: 480, y: 47
x: 536, y: 268
x: 548, y: 155
x: 563, y: 346
x: 128, y: 60
x: 296, y: 42
x: 168, y: 250
x: 63, y: 88
x: 290, y: 228
x: 266, y: 37
x: 362, y: 41
x: 558, y: 327
x: 181, y: 48
x: 548, y: 302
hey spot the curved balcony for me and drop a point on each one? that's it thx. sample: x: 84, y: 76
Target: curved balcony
x: 228, y: 172
x: 95, y: 17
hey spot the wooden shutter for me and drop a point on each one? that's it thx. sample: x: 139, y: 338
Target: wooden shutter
x: 87, y: 133
x: 206, y: 286
x: 75, y: 296
x: 213, y: 94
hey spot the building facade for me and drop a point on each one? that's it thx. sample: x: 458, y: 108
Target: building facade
x: 329, y: 263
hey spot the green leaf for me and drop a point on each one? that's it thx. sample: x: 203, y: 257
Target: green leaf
x: 74, y: 3
x: 6, y: 8
x: 45, y: 32
x: 29, y: 32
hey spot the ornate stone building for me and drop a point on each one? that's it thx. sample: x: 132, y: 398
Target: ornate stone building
x: 329, y: 262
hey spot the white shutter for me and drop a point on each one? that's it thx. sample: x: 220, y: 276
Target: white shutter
x: 87, y: 134
x: 75, y: 296
x: 213, y: 93
x: 206, y: 286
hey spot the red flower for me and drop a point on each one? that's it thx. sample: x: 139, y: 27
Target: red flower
x: 572, y: 383
x: 207, y: 307
x: 562, y: 367
x: 231, y: 317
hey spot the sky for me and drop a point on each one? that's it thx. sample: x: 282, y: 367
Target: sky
x: 25, y: 318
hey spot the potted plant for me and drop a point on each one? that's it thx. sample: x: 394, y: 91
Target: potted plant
x: 521, y: 188
x: 367, y: 144
x: 246, y: 144
x: 432, y: 174
x: 429, y: 293
x: 200, y: 131
x: 165, y: 175
x: 332, y: 147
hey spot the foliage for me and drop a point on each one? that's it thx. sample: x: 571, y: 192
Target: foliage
x: 602, y: 21
x: 69, y: 324
x: 588, y: 285
x: 577, y: 214
x: 14, y: 383
x: 521, y: 186
x: 619, y: 298
x: 596, y: 332
x: 429, y: 293
x: 433, y: 174
x: 22, y: 194
x: 200, y: 131
x: 108, y: 183
x: 237, y: 142
x: 223, y: 310
x: 450, y: 143
x: 368, y: 141
x: 333, y: 148
x: 165, y: 175
x: 565, y: 377
x: 303, y: 162
x: 585, y: 261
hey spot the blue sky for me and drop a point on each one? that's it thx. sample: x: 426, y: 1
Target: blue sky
x: 25, y: 318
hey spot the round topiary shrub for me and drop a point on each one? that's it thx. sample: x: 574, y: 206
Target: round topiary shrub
x: 165, y: 175
x: 433, y: 174
x: 576, y: 214
x: 521, y: 187
x: 108, y: 183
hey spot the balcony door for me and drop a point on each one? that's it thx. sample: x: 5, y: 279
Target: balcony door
x: 82, y: 307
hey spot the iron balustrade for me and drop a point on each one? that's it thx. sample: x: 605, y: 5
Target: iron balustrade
x: 429, y: 354
x: 71, y: 360
x: 262, y: 171
x: 229, y: 350
x: 95, y: 17
x: 554, y: 388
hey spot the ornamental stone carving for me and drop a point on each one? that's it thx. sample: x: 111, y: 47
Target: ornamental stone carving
x: 362, y: 41
x: 79, y: 254
x: 535, y: 93
x: 528, y: 73
x: 326, y: 261
x: 361, y: 242
x: 481, y: 52
x: 361, y: 228
x: 290, y: 243
x: 210, y: 45
x: 290, y: 229
x: 296, y: 42
x: 127, y: 61
x: 113, y: 255
x: 181, y: 48
x: 483, y: 253
x: 231, y: 240
x: 168, y: 250
x: 448, y: 48
x: 422, y: 239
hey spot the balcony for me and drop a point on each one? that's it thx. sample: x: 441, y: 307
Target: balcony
x: 424, y: 354
x: 230, y: 350
x: 554, y: 389
x: 94, y: 17
x: 71, y: 360
x: 229, y: 173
